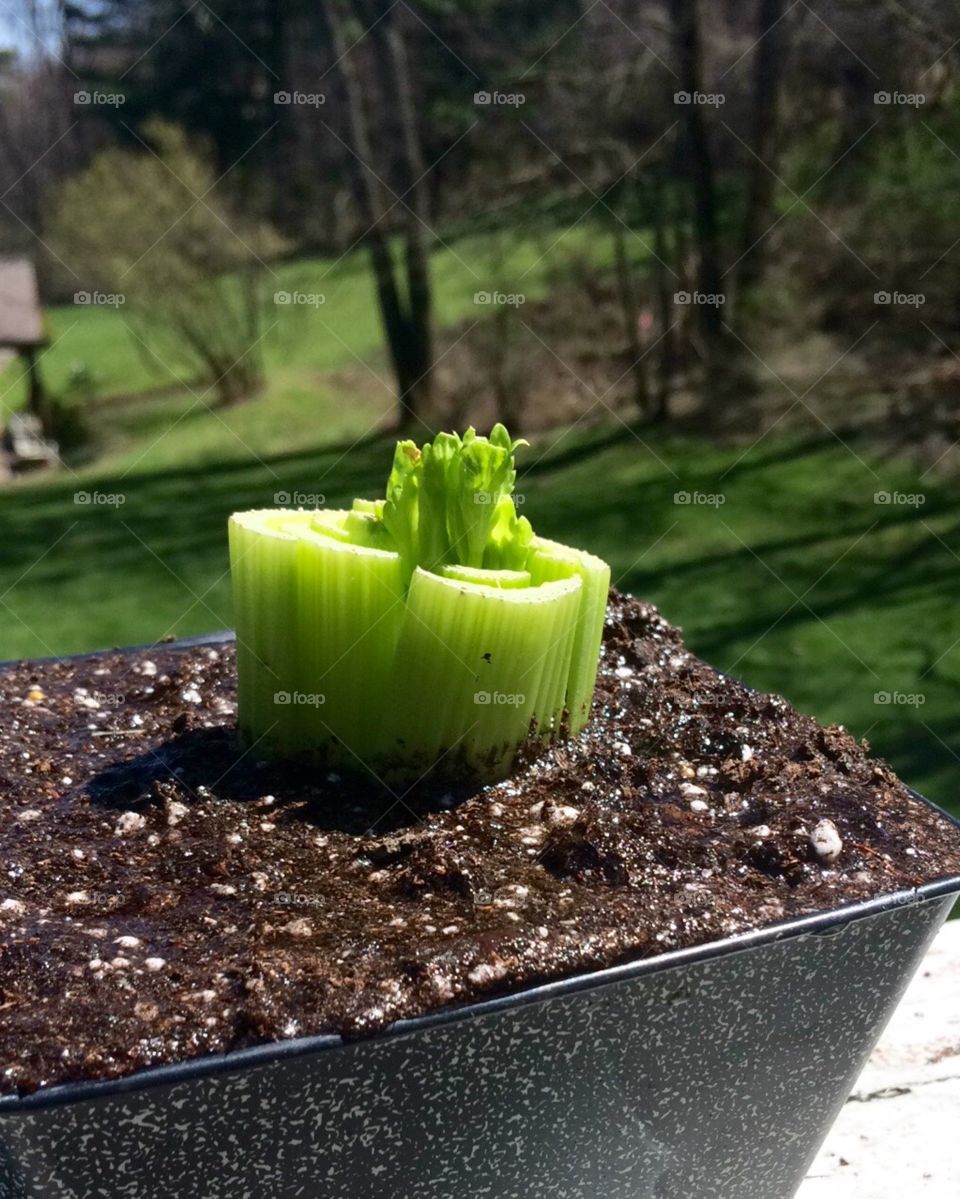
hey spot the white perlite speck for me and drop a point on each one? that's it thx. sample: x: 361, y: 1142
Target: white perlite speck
x: 155, y: 964
x: 13, y: 905
x: 487, y: 973
x: 298, y: 928
x: 176, y: 812
x: 129, y: 822
x: 826, y: 841
x: 562, y: 816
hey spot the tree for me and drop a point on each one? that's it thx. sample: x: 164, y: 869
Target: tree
x: 151, y: 229
x: 403, y: 289
x: 686, y: 26
x: 768, y: 71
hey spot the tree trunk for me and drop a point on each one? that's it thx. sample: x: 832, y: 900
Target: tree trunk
x: 685, y: 16
x: 416, y: 213
x: 768, y: 70
x: 404, y: 354
x: 665, y: 306
x: 277, y: 77
x: 630, y: 308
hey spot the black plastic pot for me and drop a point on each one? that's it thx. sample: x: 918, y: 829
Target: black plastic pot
x: 707, y: 1073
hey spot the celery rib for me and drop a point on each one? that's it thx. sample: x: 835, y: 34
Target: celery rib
x: 473, y: 659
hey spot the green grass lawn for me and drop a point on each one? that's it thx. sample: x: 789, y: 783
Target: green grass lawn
x: 304, y: 345
x: 794, y: 580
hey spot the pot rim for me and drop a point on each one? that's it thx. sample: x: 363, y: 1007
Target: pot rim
x: 830, y: 920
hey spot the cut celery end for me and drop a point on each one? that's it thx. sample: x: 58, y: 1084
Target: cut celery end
x: 486, y: 578
x: 550, y: 560
x: 371, y: 507
x: 368, y: 530
x: 332, y: 522
x: 478, y: 667
x: 352, y: 527
x: 349, y: 652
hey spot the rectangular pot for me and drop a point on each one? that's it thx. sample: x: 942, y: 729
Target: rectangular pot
x: 705, y: 1073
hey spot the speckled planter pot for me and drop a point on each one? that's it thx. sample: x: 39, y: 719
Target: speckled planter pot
x: 707, y: 1073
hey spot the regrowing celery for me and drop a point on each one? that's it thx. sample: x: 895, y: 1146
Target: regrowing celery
x: 428, y: 627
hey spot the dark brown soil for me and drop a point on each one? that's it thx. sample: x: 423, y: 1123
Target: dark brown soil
x: 164, y: 894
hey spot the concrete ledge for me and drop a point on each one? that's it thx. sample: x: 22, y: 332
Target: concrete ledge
x: 899, y: 1133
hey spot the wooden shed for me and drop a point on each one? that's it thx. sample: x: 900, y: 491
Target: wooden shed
x: 21, y: 319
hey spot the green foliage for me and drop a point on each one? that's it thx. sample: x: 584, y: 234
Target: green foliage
x: 910, y: 191
x: 509, y: 540
x: 444, y: 500
x: 149, y: 228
